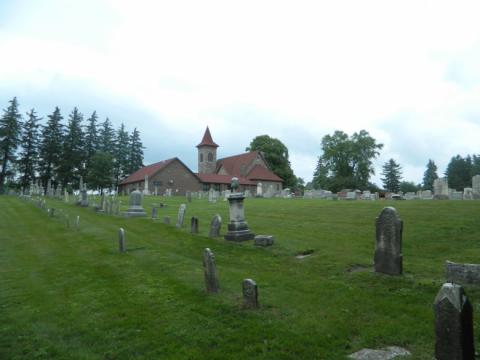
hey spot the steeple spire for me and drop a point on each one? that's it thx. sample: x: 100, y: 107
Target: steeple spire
x: 207, y: 139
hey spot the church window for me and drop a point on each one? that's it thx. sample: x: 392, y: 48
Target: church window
x: 201, y: 157
x: 210, y: 156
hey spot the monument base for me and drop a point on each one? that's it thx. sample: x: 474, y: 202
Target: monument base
x: 135, y: 212
x: 238, y: 232
x: 388, y: 263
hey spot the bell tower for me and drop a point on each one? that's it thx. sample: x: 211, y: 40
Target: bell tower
x: 207, y: 154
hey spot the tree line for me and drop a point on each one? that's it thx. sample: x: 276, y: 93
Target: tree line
x: 63, y: 152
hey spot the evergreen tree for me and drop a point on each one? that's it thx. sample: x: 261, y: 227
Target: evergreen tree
x: 459, y: 171
x: 91, y: 138
x: 122, y: 167
x: 51, y: 147
x: 29, y: 155
x: 10, y: 129
x: 73, y: 156
x: 429, y: 175
x: 475, y: 165
x: 100, y: 171
x: 106, y: 137
x: 135, y: 156
x: 392, y: 176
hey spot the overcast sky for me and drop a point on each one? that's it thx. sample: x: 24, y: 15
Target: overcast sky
x: 408, y: 72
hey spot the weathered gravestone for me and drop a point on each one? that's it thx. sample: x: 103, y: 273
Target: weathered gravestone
x: 263, y: 240
x: 181, y: 215
x: 462, y: 273
x: 237, y: 227
x: 166, y: 220
x: 210, y: 271
x: 388, y: 246
x: 194, y: 225
x: 453, y: 324
x: 250, y: 293
x: 215, y: 226
x: 77, y: 222
x: 135, y: 207
x: 121, y: 240
x: 189, y: 196
x: 154, y: 212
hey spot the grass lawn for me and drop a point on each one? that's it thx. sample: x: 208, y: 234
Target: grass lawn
x: 69, y: 294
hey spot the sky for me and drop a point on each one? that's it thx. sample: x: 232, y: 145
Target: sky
x: 405, y: 71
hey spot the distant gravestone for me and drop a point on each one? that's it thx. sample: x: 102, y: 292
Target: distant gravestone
x: 388, y: 246
x: 453, y: 324
x: 166, y: 220
x: 181, y: 215
x: 210, y: 271
x: 121, y: 240
x: 263, y: 240
x: 51, y: 212
x: 215, y: 226
x: 154, y: 212
x: 194, y: 225
x: 189, y: 196
x: 77, y: 222
x: 135, y: 207
x: 250, y: 293
x: 462, y: 273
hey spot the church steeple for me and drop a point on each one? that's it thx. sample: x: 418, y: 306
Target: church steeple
x: 207, y: 154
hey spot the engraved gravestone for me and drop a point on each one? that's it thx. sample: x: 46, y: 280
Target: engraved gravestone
x: 210, y: 271
x: 121, y: 240
x: 154, y: 212
x: 453, y: 324
x: 388, y: 247
x: 215, y: 226
x: 135, y: 207
x: 237, y: 227
x: 250, y: 293
x: 194, y: 225
x: 181, y: 215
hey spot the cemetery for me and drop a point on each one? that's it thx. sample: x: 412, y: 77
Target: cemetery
x: 89, y: 276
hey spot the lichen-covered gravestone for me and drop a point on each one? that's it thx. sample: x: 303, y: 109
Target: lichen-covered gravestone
x: 194, y: 225
x: 210, y: 271
x: 181, y: 215
x: 250, y: 293
x: 388, y: 246
x: 453, y: 324
x: 121, y: 240
x: 215, y: 226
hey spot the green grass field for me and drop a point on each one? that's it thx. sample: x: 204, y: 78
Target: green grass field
x: 69, y: 294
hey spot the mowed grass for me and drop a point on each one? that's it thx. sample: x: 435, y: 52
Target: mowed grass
x: 69, y: 294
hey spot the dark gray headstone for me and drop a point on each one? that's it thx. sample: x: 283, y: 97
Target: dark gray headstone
x: 250, y: 293
x: 210, y: 271
x: 166, y: 220
x: 52, y: 212
x: 462, y: 273
x: 181, y: 215
x: 388, y: 246
x: 189, y: 196
x: 453, y: 324
x: 263, y: 240
x: 121, y: 240
x: 215, y: 226
x: 194, y: 225
x: 154, y: 212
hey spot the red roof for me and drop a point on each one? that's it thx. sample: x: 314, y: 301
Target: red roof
x: 207, y: 139
x: 223, y: 179
x: 260, y: 173
x: 149, y: 170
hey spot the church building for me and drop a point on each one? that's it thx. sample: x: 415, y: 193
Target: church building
x: 173, y: 175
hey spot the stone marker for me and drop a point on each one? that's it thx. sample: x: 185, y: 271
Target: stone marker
x: 135, y: 207
x: 51, y: 212
x: 462, y: 273
x: 237, y: 227
x: 264, y: 240
x: 121, y: 240
x: 166, y: 220
x: 388, y: 353
x: 215, y: 226
x: 388, y: 246
x: 181, y: 215
x: 250, y: 293
x: 154, y: 212
x: 194, y: 225
x: 210, y: 271
x: 189, y: 196
x: 77, y: 222
x: 453, y: 324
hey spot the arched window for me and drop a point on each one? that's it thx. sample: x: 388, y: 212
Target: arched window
x: 201, y: 157
x: 210, y: 156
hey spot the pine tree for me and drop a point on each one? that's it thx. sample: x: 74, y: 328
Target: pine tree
x: 73, y: 156
x: 135, y: 158
x: 392, y: 176
x: 29, y: 155
x: 429, y: 175
x: 106, y: 137
x: 91, y: 138
x: 121, y: 154
x: 10, y: 129
x: 51, y: 147
x: 459, y: 171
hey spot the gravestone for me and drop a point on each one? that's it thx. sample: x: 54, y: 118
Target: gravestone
x: 215, y: 226
x: 145, y: 190
x: 181, y: 215
x: 237, y: 227
x: 154, y: 212
x: 388, y: 246
x: 462, y: 273
x: 476, y: 187
x: 189, y: 196
x: 135, y: 208
x: 264, y: 240
x: 468, y: 194
x: 453, y: 324
x: 77, y: 222
x: 84, y: 198
x: 259, y: 189
x: 250, y: 293
x: 210, y: 271
x: 440, y: 189
x: 194, y: 225
x: 166, y: 220
x: 121, y: 240
x: 51, y: 212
